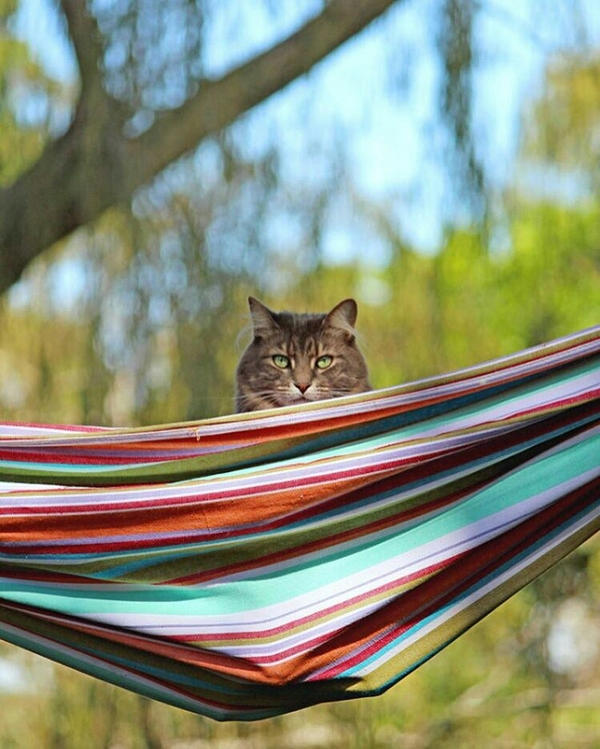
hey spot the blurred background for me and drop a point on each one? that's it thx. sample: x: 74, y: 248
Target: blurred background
x: 441, y: 165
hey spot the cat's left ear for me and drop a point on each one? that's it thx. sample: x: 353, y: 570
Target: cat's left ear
x: 343, y: 316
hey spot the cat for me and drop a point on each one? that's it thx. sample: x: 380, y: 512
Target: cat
x: 299, y: 358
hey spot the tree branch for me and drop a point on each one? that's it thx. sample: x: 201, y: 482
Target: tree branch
x: 94, y: 166
x: 85, y: 36
x: 220, y: 102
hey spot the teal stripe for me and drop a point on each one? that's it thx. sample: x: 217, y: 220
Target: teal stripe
x: 233, y: 598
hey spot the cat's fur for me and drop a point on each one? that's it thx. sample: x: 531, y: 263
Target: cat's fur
x: 287, y: 361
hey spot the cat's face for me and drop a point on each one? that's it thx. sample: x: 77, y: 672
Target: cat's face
x: 297, y: 358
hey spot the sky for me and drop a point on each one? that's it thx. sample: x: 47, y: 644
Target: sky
x: 393, y: 148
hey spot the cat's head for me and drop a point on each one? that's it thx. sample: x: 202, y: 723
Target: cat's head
x: 297, y: 358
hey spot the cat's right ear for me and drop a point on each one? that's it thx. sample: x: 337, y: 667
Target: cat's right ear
x: 263, y: 319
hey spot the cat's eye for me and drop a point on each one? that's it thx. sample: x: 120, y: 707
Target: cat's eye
x: 281, y: 361
x: 324, y: 361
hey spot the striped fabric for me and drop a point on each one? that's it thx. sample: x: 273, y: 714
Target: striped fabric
x: 246, y: 566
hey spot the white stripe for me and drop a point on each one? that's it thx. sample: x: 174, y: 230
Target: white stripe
x: 476, y: 595
x: 338, y: 592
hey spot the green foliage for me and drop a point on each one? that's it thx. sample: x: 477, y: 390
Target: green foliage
x: 26, y: 97
x: 561, y: 125
x: 7, y: 8
x: 133, y: 350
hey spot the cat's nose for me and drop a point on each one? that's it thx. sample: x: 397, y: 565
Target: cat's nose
x: 302, y: 386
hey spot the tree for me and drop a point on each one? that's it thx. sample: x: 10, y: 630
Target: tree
x: 95, y: 164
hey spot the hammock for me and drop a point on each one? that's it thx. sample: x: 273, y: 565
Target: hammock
x: 246, y: 566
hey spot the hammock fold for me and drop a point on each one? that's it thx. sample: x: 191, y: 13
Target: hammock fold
x: 245, y: 566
